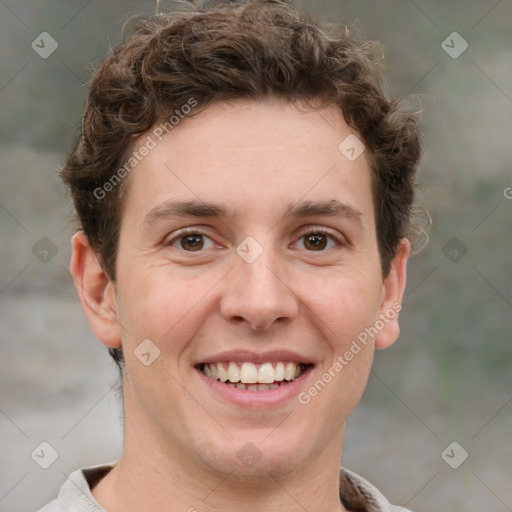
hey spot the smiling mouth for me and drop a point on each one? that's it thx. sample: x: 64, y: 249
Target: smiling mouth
x: 254, y: 377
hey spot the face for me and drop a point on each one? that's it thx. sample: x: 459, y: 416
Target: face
x: 248, y: 258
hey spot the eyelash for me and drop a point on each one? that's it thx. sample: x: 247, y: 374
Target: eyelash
x: 184, y: 233
x: 310, y: 231
x: 323, y: 231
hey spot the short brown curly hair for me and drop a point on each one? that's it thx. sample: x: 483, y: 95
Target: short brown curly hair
x: 232, y: 50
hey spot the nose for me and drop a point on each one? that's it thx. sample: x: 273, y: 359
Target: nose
x: 258, y: 294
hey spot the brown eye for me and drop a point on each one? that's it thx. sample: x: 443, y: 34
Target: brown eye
x: 315, y: 241
x: 192, y: 242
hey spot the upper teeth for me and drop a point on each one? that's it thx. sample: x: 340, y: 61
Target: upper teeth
x: 249, y: 373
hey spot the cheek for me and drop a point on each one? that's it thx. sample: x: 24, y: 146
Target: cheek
x: 164, y: 311
x: 343, y: 314
x: 162, y: 308
x: 346, y: 305
x: 351, y: 306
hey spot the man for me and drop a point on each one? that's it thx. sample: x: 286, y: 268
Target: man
x: 244, y: 190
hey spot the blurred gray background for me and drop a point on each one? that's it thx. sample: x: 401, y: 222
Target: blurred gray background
x: 448, y: 378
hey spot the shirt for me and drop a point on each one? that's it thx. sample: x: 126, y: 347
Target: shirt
x: 75, y: 495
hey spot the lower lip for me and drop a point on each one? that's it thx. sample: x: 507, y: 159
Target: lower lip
x: 244, y: 397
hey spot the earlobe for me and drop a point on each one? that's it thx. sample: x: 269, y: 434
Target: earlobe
x: 392, y: 292
x: 96, y: 291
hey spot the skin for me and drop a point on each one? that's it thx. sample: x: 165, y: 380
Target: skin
x: 182, y: 438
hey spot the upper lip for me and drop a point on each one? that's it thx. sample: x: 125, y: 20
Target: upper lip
x: 255, y: 357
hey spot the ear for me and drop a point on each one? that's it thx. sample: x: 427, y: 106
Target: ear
x: 96, y: 291
x: 391, y: 296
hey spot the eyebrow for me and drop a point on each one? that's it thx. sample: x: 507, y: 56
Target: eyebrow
x: 332, y: 208
x: 171, y: 208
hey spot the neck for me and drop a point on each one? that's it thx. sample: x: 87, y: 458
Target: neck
x: 166, y: 466
x: 151, y: 478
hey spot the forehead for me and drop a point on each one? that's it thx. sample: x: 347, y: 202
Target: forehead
x: 252, y: 155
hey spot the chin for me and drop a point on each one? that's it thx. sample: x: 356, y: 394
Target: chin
x: 252, y: 457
